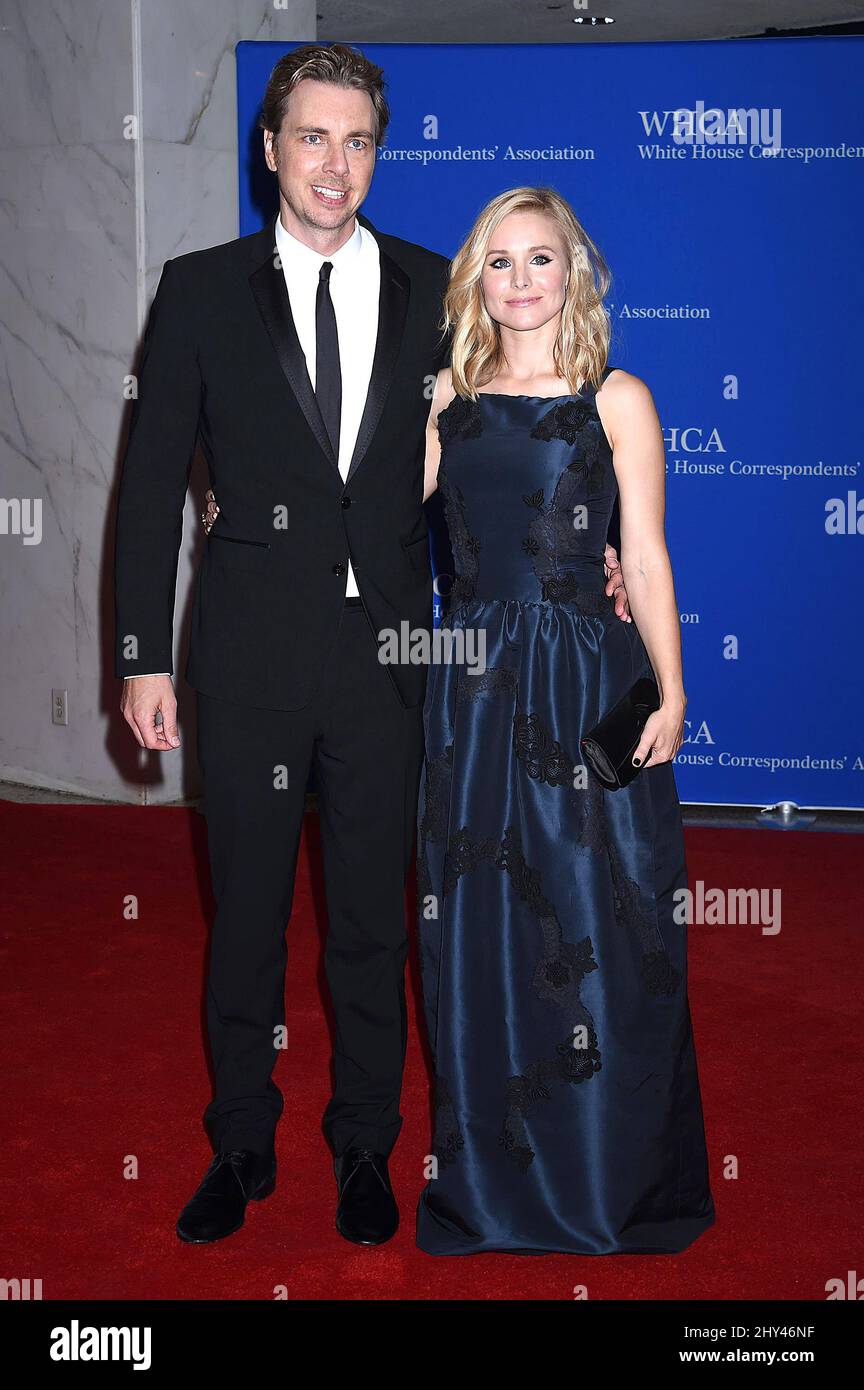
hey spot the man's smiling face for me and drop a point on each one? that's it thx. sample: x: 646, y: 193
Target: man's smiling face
x: 324, y: 157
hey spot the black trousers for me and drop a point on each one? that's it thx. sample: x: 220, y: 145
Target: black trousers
x: 367, y: 752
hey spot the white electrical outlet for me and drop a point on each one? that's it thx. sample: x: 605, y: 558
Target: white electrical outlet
x: 59, y: 706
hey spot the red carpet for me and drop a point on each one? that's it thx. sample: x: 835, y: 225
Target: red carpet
x: 103, y: 1067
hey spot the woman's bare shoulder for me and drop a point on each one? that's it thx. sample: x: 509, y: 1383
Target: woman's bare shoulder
x: 443, y: 392
x: 625, y: 402
x: 624, y: 388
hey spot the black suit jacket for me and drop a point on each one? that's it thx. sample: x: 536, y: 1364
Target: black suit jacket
x: 222, y: 363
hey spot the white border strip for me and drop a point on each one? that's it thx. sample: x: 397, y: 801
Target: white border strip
x: 138, y: 157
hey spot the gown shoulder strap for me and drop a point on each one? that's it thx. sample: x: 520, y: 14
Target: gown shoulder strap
x: 590, y: 389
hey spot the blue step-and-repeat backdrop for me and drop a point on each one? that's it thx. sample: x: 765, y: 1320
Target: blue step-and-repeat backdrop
x: 736, y: 295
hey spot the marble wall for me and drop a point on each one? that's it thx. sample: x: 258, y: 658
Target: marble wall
x: 119, y: 150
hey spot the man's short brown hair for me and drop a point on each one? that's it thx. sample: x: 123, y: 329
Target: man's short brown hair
x: 336, y: 63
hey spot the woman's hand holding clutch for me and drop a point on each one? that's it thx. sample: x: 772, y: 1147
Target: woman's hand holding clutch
x: 663, y: 733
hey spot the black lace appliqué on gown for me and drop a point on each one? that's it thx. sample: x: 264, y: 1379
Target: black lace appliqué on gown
x: 465, y: 546
x: 447, y: 1140
x: 553, y: 540
x: 594, y: 834
x: 557, y: 979
x: 436, y: 807
x: 460, y: 418
x: 562, y: 965
x: 577, y: 421
x: 495, y: 680
x: 564, y: 421
x: 570, y: 1064
x: 658, y: 973
x: 545, y: 760
x: 566, y: 589
x: 543, y: 757
x: 432, y: 826
x: 464, y: 854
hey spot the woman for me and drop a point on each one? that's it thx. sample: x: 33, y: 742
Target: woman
x: 568, y: 1114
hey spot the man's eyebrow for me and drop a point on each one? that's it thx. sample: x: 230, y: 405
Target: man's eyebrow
x: 322, y: 130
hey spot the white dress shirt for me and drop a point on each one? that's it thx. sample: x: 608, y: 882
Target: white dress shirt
x: 355, y: 283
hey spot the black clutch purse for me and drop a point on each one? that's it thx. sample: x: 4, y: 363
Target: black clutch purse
x: 609, y: 747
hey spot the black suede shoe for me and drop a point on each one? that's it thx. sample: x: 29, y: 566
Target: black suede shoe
x: 219, y: 1206
x: 367, y: 1213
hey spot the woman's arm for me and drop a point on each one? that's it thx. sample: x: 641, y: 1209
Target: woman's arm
x: 639, y: 458
x: 441, y: 397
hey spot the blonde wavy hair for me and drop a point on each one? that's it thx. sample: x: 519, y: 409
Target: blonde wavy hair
x: 582, y: 343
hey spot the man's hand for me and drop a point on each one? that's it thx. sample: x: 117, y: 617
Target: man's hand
x: 615, y: 584
x: 149, y: 706
x: 212, y: 510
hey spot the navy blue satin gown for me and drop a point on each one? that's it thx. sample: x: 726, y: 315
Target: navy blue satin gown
x: 567, y: 1105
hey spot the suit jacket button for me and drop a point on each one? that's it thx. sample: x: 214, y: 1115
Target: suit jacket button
x: 346, y: 501
x: 340, y: 569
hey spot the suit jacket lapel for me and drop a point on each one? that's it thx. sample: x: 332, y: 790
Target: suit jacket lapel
x: 267, y: 283
x: 392, y: 310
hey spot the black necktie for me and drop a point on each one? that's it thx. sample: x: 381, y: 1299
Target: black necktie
x: 328, y: 374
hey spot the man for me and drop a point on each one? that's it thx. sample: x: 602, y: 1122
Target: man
x: 305, y: 375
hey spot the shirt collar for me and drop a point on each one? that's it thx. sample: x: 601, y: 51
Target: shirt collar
x: 296, y: 253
